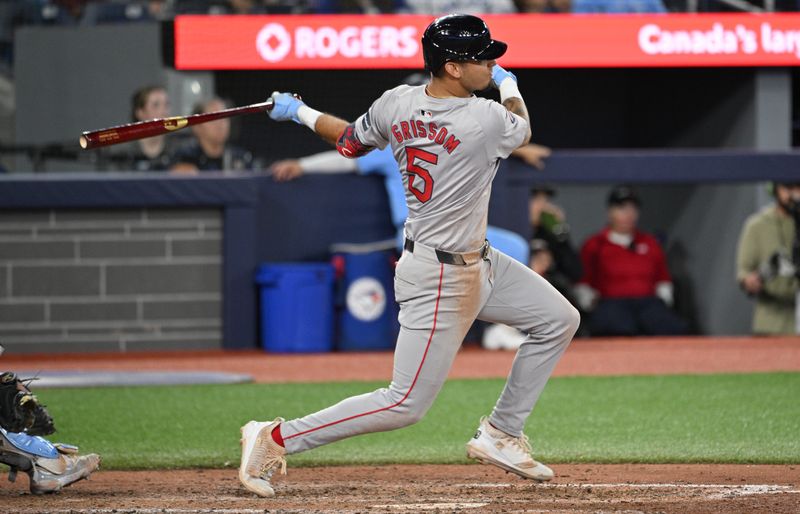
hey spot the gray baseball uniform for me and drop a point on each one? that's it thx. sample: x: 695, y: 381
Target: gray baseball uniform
x: 448, y: 151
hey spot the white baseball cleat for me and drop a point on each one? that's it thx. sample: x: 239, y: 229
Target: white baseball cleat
x: 51, y: 475
x: 513, y: 454
x: 261, y: 456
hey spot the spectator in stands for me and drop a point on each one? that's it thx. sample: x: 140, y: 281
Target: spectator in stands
x: 126, y: 12
x: 626, y: 285
x: 617, y: 6
x: 356, y: 6
x: 210, y: 150
x: 51, y: 12
x: 246, y: 6
x: 552, y: 253
x: 435, y: 7
x: 154, y: 153
x: 767, y: 265
x: 543, y: 6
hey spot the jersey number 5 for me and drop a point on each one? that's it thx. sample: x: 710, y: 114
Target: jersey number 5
x: 412, y: 154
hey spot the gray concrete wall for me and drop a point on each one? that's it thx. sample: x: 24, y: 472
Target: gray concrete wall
x: 110, y: 280
x: 71, y: 80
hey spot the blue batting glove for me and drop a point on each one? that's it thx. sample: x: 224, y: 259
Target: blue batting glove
x: 285, y: 107
x: 499, y: 75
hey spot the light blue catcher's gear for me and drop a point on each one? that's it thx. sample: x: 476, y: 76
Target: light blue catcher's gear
x: 51, y: 467
x: 381, y: 162
x: 34, y: 445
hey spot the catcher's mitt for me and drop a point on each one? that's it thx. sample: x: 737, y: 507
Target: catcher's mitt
x: 20, y: 410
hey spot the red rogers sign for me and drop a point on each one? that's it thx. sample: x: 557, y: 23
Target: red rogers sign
x: 535, y: 41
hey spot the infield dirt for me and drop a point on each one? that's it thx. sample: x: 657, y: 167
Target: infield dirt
x: 679, y: 488
x: 471, y: 488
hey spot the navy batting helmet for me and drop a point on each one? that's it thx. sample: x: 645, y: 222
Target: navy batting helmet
x: 458, y: 37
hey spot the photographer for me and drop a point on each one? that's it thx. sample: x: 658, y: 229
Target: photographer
x: 768, y: 261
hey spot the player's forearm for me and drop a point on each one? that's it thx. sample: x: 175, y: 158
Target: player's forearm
x: 330, y: 128
x: 517, y: 106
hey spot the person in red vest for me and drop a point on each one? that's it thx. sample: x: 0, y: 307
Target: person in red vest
x: 626, y: 285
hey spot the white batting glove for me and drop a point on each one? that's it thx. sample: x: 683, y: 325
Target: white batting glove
x: 506, y: 83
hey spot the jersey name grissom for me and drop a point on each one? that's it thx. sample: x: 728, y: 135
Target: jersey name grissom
x: 448, y: 151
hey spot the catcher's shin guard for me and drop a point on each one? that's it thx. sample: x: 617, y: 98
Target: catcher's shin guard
x: 50, y: 467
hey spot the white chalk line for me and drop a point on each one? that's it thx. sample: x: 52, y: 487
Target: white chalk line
x: 431, y: 506
x: 765, y: 487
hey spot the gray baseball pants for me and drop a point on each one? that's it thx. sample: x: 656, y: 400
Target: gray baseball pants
x: 438, y: 303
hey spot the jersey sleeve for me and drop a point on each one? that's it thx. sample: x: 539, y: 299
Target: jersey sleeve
x: 504, y: 130
x: 371, y: 128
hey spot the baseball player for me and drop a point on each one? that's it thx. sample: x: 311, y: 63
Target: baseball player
x: 23, y: 420
x: 448, y: 144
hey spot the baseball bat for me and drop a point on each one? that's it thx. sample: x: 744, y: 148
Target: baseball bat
x: 150, y: 128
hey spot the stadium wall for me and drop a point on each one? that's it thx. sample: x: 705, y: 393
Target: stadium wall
x: 227, y: 224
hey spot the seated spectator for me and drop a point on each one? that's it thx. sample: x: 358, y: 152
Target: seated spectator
x: 617, y: 6
x: 210, y: 150
x: 126, y: 12
x: 768, y: 260
x: 436, y: 7
x: 552, y: 254
x: 247, y: 6
x: 357, y: 6
x: 550, y: 237
x: 626, y: 285
x: 153, y: 153
x: 51, y: 12
x: 543, y: 6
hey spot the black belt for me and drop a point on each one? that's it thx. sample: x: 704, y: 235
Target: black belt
x: 447, y: 257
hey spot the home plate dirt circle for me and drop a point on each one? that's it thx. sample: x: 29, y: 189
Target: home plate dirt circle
x: 623, y: 488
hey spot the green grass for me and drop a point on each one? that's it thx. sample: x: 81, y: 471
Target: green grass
x: 752, y: 418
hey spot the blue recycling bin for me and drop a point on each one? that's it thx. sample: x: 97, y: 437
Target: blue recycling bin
x: 296, y: 307
x: 367, y: 310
